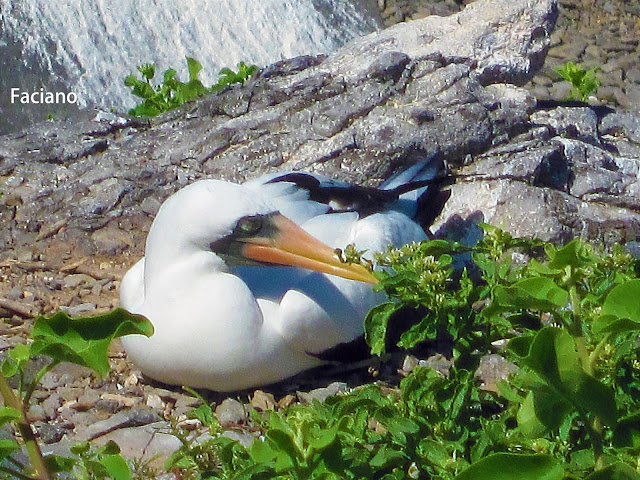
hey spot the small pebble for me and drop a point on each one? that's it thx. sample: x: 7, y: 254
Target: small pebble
x: 230, y: 413
x: 321, y: 394
x: 263, y: 401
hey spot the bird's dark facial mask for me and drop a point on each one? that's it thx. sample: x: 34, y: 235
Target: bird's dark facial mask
x: 230, y: 246
x: 275, y: 240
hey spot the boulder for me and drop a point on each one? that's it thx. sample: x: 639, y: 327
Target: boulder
x: 445, y: 84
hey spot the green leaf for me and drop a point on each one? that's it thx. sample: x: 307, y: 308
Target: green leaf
x: 375, y: 326
x: 326, y: 437
x: 543, y: 409
x: 622, y: 301
x: 609, y: 324
x: 80, y: 448
x: 570, y: 255
x: 8, y: 414
x: 57, y: 463
x: 510, y: 466
x: 19, y: 355
x: 536, y: 293
x: 617, y: 471
x: 554, y: 358
x: 85, y: 341
x: 194, y: 68
x: 7, y: 448
x: 262, y: 451
x: 386, y: 457
x: 627, y: 432
x: 117, y: 467
x: 148, y: 70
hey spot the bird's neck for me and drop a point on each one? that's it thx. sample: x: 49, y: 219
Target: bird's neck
x: 168, y: 250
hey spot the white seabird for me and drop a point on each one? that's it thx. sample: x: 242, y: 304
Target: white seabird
x: 225, y: 316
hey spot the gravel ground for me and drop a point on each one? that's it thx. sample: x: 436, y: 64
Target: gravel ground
x: 73, y: 404
x: 592, y: 33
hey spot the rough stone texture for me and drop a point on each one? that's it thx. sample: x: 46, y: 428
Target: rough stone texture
x: 573, y: 174
x: 432, y: 84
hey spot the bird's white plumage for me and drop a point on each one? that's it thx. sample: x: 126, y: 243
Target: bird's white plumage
x: 232, y: 327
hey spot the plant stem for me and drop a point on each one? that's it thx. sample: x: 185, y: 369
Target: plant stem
x: 576, y: 331
x: 595, y: 425
x: 24, y: 427
x: 36, y: 380
x: 15, y: 473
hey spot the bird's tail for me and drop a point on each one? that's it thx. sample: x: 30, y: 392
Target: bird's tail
x: 419, y: 189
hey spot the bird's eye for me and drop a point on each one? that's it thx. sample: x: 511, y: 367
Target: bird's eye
x: 248, y: 226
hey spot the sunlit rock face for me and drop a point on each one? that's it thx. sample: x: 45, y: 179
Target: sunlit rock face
x: 87, y: 48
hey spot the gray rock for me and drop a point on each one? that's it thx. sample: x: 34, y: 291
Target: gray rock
x: 152, y: 443
x: 564, y: 183
x: 51, y: 405
x: 493, y: 369
x: 53, y: 433
x: 127, y: 418
x: 321, y: 394
x: 230, y: 413
x: 382, y: 101
x: 244, y: 438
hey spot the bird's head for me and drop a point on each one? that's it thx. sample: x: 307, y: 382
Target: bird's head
x: 241, y: 228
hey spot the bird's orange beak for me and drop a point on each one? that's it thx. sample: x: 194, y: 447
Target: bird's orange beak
x: 292, y: 246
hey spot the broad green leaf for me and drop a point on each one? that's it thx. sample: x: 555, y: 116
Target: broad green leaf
x: 109, y: 448
x: 617, y: 471
x: 528, y: 421
x: 623, y: 301
x: 537, y: 293
x: 569, y: 255
x: 326, y: 437
x: 117, y: 467
x: 80, y: 448
x: 375, y: 326
x: 8, y: 414
x: 520, y: 345
x: 511, y: 466
x: 85, y: 341
x: 386, y: 457
x: 607, y: 323
x: 58, y: 463
x: 434, y: 452
x: 19, y: 355
x: 7, y: 448
x: 262, y: 451
x: 542, y: 410
x: 627, y: 432
x: 553, y: 356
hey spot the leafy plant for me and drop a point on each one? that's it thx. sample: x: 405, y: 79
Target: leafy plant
x: 583, y: 82
x: 84, y: 341
x: 573, y: 325
x: 571, y: 320
x: 172, y: 93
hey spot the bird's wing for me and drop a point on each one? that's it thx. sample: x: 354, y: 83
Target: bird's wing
x: 414, y: 192
x: 321, y: 311
x: 318, y: 311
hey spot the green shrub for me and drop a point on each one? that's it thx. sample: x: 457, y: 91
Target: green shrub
x: 584, y: 83
x: 172, y: 93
